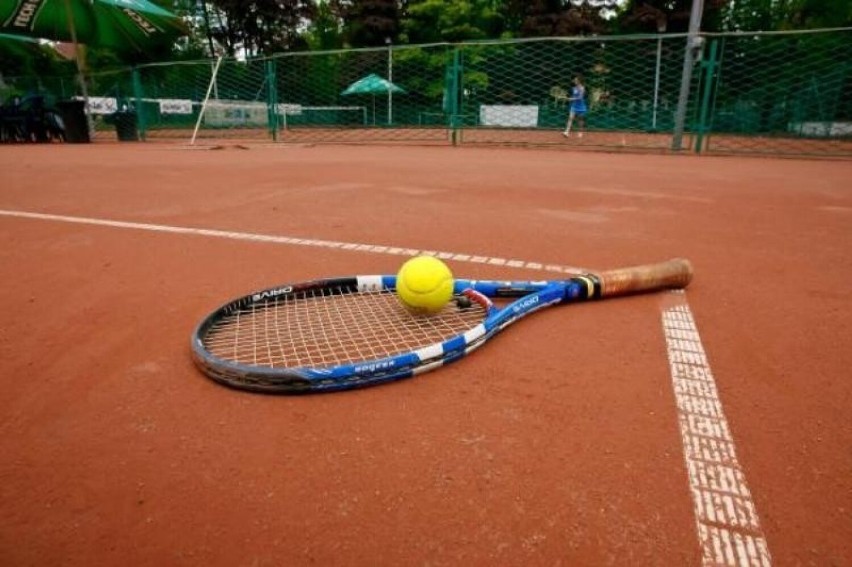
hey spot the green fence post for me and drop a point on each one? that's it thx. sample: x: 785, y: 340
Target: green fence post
x: 453, y: 92
x: 272, y: 99
x: 709, y: 67
x: 138, y: 96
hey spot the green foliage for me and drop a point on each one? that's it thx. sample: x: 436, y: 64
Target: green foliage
x: 433, y: 21
x: 423, y: 70
x: 325, y: 31
x: 260, y: 26
x: 772, y: 15
x: 21, y: 57
x: 672, y: 16
x: 29, y: 67
x: 555, y: 18
x: 369, y: 23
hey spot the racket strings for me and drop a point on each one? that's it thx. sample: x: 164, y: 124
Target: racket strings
x: 330, y: 327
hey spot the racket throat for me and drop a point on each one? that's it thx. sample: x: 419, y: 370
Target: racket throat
x: 470, y: 296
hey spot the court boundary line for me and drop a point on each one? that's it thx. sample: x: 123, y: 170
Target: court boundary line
x: 295, y: 241
x: 727, y: 524
x: 729, y: 530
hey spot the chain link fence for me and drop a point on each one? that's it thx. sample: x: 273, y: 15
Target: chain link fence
x: 764, y: 93
x: 778, y: 93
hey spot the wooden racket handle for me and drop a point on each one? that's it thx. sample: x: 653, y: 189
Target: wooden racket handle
x: 676, y: 273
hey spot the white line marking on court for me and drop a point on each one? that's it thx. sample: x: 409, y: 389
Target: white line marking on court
x: 375, y: 249
x: 728, y: 527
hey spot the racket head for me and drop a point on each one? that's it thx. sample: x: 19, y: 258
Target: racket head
x: 330, y: 334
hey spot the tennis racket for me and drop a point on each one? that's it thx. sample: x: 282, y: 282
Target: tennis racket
x: 342, y: 333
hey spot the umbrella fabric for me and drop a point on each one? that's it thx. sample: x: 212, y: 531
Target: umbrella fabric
x: 372, y: 84
x: 20, y: 46
x: 120, y: 24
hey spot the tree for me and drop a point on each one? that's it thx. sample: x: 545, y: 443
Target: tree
x: 369, y: 23
x: 773, y: 15
x: 432, y: 21
x: 260, y: 26
x: 651, y: 16
x: 30, y: 66
x: 326, y: 30
x: 558, y: 18
x: 809, y: 14
x: 643, y: 16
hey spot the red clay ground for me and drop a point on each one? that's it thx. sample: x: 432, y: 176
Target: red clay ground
x: 556, y: 444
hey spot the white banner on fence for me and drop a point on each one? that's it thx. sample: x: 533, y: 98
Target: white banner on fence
x: 175, y: 106
x: 289, y: 109
x: 101, y: 104
x: 821, y: 129
x: 247, y: 113
x: 508, y: 115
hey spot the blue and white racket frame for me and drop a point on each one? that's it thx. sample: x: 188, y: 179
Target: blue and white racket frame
x: 529, y: 297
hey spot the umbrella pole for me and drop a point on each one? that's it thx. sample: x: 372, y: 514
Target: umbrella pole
x: 390, y: 82
x: 80, y: 74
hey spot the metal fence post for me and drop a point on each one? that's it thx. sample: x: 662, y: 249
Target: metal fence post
x: 138, y: 96
x: 693, y: 44
x: 709, y: 67
x: 272, y: 98
x: 453, y: 92
x: 390, y: 80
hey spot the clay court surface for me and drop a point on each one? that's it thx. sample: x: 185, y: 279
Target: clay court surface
x: 558, y: 443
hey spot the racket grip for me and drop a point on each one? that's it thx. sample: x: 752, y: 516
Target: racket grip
x: 673, y: 274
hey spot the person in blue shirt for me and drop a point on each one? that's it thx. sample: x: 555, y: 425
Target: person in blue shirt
x: 578, y: 107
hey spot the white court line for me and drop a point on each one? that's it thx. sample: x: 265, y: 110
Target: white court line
x: 375, y: 249
x: 729, y: 530
x: 728, y: 527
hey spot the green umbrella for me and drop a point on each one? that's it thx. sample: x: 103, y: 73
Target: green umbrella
x: 23, y: 50
x: 20, y: 46
x: 125, y: 25
x: 373, y: 85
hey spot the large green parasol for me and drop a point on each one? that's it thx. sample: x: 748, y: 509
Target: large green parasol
x: 372, y: 85
x: 124, y: 25
x: 20, y: 46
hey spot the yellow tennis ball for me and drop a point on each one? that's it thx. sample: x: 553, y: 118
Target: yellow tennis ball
x: 424, y: 284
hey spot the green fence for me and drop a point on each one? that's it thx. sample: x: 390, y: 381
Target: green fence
x: 775, y: 93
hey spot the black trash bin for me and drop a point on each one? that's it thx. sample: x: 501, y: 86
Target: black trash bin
x: 73, y: 113
x: 125, y: 126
